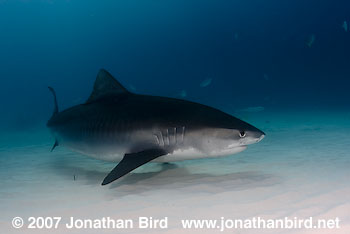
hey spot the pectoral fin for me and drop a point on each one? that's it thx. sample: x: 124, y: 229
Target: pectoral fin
x: 131, y: 162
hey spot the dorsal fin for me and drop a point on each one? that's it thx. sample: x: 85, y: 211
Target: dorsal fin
x: 106, y: 85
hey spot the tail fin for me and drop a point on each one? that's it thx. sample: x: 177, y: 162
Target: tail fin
x: 55, y: 110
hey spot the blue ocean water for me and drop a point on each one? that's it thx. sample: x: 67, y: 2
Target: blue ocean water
x: 256, y: 52
x: 283, y: 66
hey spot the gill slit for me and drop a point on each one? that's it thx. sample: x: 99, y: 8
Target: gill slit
x: 167, y: 136
x: 183, y: 134
x: 161, y: 137
x: 156, y: 136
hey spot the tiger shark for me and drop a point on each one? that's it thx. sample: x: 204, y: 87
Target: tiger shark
x: 132, y: 129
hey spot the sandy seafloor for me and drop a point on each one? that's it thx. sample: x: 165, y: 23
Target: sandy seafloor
x: 301, y: 169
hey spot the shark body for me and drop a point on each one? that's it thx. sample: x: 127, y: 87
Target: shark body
x: 117, y: 125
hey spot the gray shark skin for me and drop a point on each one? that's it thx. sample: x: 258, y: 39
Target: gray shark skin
x: 119, y: 126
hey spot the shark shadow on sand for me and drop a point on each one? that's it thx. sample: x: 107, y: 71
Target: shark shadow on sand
x: 166, y: 176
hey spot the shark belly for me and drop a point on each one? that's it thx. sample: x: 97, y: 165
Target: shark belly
x: 193, y: 153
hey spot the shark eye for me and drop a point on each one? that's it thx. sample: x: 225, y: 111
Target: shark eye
x: 242, y: 134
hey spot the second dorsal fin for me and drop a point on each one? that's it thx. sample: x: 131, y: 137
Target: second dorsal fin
x: 106, y: 85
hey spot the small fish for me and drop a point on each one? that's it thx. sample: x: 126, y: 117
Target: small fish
x: 311, y: 40
x: 266, y: 77
x: 206, y: 82
x: 78, y: 100
x: 132, y: 88
x: 345, y: 26
x: 236, y: 36
x: 252, y: 109
x: 183, y: 93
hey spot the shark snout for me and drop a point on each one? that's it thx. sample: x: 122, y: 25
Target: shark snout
x: 252, y: 137
x: 259, y: 135
x: 260, y: 138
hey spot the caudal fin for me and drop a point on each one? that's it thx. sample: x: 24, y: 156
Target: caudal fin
x: 55, y: 110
